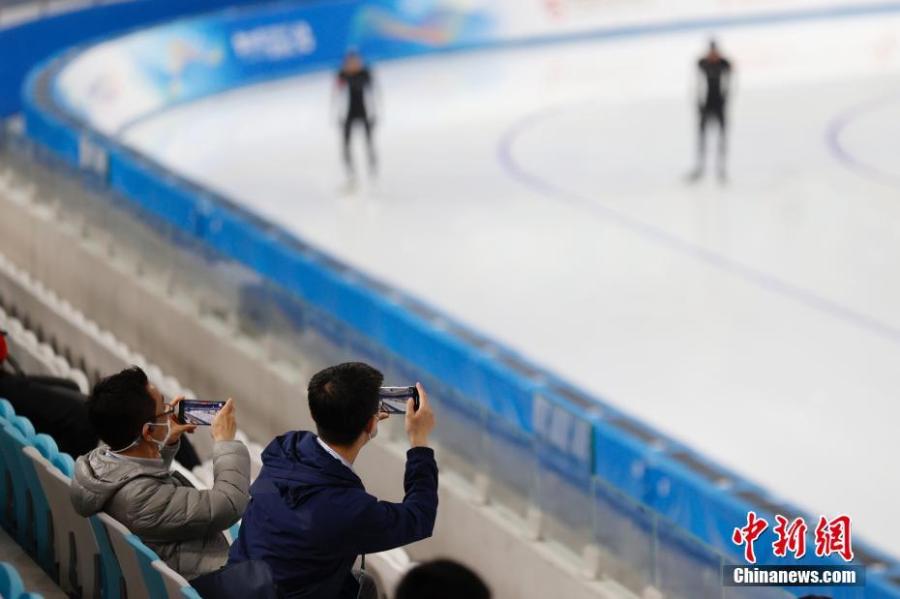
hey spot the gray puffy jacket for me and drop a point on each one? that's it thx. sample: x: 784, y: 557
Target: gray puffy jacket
x: 183, y: 525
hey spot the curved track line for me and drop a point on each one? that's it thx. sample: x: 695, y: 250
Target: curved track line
x: 659, y: 236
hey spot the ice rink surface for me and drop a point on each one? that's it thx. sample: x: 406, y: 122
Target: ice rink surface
x: 538, y: 194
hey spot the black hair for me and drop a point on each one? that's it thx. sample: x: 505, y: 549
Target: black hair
x: 342, y: 399
x: 119, y: 406
x: 442, y: 579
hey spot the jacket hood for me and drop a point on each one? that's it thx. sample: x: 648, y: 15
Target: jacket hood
x: 100, y: 474
x: 298, y: 465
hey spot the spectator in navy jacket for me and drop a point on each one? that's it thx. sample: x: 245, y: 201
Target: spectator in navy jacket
x: 310, y: 516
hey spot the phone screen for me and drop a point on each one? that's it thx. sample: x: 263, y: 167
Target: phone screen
x: 195, y: 411
x: 393, y: 399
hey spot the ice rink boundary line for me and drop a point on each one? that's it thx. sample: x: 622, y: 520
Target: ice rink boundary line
x: 663, y: 238
x: 847, y: 158
x: 608, y: 33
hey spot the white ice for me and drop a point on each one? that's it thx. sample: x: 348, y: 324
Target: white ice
x: 538, y: 195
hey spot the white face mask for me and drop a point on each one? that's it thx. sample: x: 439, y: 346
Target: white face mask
x: 165, y: 441
x: 159, y: 444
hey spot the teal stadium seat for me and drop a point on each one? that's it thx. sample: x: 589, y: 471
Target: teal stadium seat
x: 190, y: 593
x: 234, y: 531
x: 76, y: 549
x: 24, y: 426
x: 65, y: 463
x: 11, y: 586
x: 32, y: 511
x: 46, y: 446
x: 16, y: 509
x: 6, y: 414
x: 10, y: 582
x: 176, y: 585
x: 132, y: 576
x: 113, y: 582
x: 153, y: 579
x: 6, y: 409
x: 43, y: 517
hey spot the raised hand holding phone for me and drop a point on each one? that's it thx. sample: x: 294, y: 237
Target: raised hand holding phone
x: 394, y: 399
x: 195, y: 411
x: 177, y: 427
x: 419, y: 422
x: 224, y: 425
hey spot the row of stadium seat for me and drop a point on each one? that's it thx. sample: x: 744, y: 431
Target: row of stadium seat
x: 87, y: 557
x: 82, y: 340
x: 50, y: 310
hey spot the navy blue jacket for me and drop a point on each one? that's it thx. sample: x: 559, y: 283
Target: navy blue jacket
x: 310, y: 516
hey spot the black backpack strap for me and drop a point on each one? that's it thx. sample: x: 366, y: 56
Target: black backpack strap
x: 367, y: 587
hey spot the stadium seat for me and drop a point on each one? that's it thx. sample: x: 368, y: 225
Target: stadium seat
x: 176, y: 586
x: 6, y: 413
x: 232, y: 532
x: 65, y: 463
x: 46, y: 446
x: 11, y: 586
x: 6, y: 409
x: 190, y: 593
x: 132, y: 576
x: 24, y: 426
x: 10, y: 582
x: 16, y: 511
x: 38, y: 541
x: 43, y: 516
x: 75, y: 547
x: 26, y: 510
x: 113, y: 583
x: 153, y: 579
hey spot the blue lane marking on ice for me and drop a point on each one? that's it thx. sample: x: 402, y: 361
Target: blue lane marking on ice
x: 847, y: 158
x: 661, y: 237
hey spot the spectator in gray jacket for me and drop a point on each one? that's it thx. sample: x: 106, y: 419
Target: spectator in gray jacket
x: 128, y: 476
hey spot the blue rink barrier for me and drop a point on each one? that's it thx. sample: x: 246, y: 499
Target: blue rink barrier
x: 25, y: 45
x: 649, y: 498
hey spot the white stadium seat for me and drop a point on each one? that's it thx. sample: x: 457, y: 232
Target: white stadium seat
x: 76, y: 549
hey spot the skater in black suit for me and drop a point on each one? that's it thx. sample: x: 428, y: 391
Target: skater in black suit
x: 714, y: 86
x: 355, y: 87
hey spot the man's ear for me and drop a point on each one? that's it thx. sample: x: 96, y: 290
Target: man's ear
x: 371, y: 424
x: 145, y: 430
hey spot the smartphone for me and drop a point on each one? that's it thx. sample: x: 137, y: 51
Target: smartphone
x: 195, y: 411
x: 393, y: 399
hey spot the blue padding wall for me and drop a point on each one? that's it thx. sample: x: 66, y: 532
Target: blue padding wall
x: 24, y: 46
